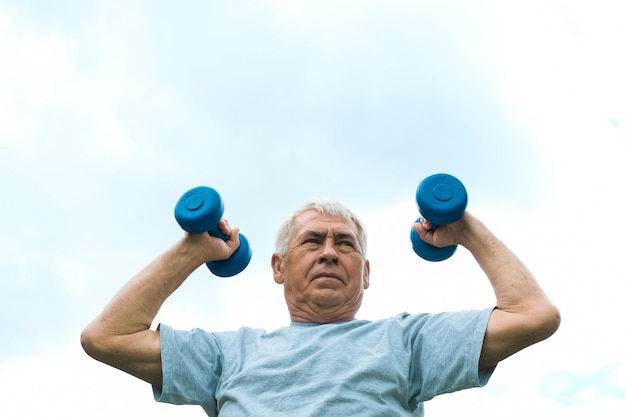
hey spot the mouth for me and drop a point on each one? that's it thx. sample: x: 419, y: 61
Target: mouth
x: 327, y: 275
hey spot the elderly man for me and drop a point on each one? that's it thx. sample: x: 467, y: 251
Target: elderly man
x: 326, y: 362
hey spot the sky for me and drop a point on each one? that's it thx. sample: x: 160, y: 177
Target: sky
x: 110, y: 110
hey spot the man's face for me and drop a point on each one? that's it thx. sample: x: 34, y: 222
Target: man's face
x: 324, y: 271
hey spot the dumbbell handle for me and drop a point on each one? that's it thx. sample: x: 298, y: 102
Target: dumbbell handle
x: 427, y: 251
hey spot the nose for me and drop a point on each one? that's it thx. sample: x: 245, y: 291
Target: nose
x: 328, y: 253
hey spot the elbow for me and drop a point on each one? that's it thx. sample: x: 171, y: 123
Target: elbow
x: 93, y: 342
x: 547, y: 321
x: 556, y: 319
x: 88, y: 340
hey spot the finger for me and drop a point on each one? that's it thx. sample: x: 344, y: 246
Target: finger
x: 425, y: 223
x: 421, y: 231
x: 233, y: 238
x: 225, y: 227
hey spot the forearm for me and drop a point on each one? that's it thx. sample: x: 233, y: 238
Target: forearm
x: 515, y: 288
x: 134, y: 307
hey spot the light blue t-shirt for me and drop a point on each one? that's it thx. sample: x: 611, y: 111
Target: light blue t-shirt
x: 358, y: 368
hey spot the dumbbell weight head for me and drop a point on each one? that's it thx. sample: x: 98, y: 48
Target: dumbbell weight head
x: 442, y: 199
x: 199, y: 210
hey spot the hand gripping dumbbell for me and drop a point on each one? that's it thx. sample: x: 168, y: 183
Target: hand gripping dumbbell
x: 441, y: 199
x: 199, y: 210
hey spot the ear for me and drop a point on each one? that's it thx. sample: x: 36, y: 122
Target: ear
x: 277, y: 264
x: 366, y: 274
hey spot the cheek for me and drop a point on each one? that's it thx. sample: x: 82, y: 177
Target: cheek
x: 297, y: 266
x: 302, y: 259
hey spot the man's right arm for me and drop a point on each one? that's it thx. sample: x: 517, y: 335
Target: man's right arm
x: 120, y: 335
x: 524, y: 315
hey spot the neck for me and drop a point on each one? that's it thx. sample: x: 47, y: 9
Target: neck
x: 320, y: 316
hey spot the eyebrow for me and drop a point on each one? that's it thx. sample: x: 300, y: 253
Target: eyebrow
x: 313, y: 233
x: 322, y: 235
x: 345, y: 235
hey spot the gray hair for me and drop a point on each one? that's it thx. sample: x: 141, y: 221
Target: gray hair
x: 326, y: 207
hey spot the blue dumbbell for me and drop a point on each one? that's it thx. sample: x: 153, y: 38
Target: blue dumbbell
x: 199, y: 210
x: 441, y: 199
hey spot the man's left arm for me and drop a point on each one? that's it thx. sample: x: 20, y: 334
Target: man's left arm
x: 523, y: 315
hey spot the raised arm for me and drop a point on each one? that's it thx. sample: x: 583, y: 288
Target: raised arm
x: 523, y: 315
x: 120, y: 335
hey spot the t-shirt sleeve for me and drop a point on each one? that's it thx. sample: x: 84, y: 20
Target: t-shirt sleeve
x: 192, y: 365
x: 446, y: 350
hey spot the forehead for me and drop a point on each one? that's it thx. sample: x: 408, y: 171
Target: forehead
x: 312, y: 220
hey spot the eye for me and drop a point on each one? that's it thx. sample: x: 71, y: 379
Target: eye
x: 346, y: 246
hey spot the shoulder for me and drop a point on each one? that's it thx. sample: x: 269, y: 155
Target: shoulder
x: 440, y: 324
x: 201, y: 339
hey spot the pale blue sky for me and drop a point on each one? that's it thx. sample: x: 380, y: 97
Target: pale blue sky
x: 109, y: 111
